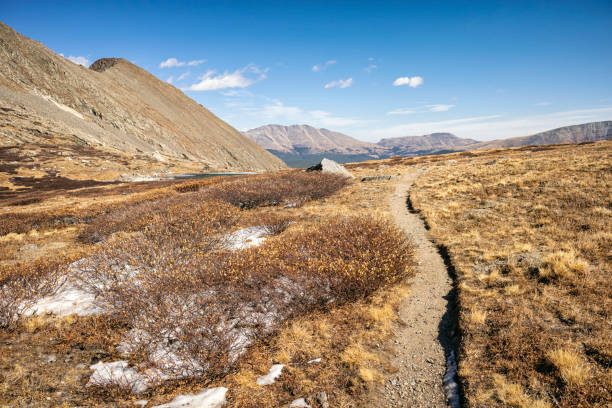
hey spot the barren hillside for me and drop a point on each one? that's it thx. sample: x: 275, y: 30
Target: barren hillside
x: 113, y: 107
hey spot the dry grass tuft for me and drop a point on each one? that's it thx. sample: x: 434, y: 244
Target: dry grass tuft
x: 571, y: 366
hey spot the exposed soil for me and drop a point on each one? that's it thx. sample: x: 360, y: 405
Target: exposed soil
x: 426, y: 336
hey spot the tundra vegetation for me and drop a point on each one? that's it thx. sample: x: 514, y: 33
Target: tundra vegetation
x: 529, y: 234
x: 185, y: 310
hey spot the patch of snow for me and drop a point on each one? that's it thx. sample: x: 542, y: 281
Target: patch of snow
x: 118, y: 373
x: 66, y: 300
x: 300, y: 402
x: 63, y: 107
x: 141, y: 403
x: 168, y: 364
x: 450, y: 381
x: 208, y: 398
x: 71, y: 296
x: 316, y: 360
x: 245, y: 238
x: 273, y: 374
x: 134, y: 179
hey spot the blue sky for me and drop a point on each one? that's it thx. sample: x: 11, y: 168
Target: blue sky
x: 483, y: 70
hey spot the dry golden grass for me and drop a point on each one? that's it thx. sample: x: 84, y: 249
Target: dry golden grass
x: 529, y: 233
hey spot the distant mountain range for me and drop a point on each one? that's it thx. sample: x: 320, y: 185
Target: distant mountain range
x: 303, y: 145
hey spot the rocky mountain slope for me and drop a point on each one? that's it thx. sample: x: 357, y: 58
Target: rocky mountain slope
x: 435, y: 142
x: 303, y: 145
x: 114, y: 108
x: 587, y: 132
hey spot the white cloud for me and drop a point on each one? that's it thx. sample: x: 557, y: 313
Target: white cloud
x: 440, y: 108
x: 341, y: 83
x: 170, y: 80
x: 237, y: 79
x: 327, y: 64
x: 492, y: 127
x: 412, y: 82
x: 422, y: 109
x: 173, y: 62
x: 183, y: 76
x: 543, y: 103
x: 371, y: 67
x: 79, y: 60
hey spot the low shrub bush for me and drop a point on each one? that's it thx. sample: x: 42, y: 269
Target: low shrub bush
x: 291, y: 188
x: 194, y: 312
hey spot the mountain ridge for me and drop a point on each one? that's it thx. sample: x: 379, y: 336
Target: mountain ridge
x: 295, y: 152
x: 114, y: 105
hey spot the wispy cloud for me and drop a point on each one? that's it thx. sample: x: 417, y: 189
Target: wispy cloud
x: 78, y: 60
x: 277, y: 112
x: 440, y: 108
x: 170, y: 79
x: 422, y: 109
x: 241, y: 78
x: 262, y: 109
x: 173, y: 62
x: 494, y: 127
x: 321, y: 67
x: 340, y: 83
x: 183, y: 76
x: 370, y: 67
x: 412, y: 82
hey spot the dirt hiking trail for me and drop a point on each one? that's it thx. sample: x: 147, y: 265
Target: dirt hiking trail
x: 426, y: 338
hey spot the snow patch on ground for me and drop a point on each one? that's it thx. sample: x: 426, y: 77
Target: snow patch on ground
x: 118, y: 373
x: 208, y: 398
x: 300, y: 402
x: 245, y: 238
x: 316, y: 360
x: 273, y: 374
x: 450, y: 381
x: 72, y: 296
x: 63, y: 107
x: 66, y: 300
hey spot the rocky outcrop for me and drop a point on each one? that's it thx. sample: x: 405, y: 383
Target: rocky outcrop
x: 103, y: 64
x: 330, y: 166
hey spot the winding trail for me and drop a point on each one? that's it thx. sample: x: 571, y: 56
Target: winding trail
x: 426, y: 338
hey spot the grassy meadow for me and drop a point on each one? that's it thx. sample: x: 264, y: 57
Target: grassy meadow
x: 529, y: 234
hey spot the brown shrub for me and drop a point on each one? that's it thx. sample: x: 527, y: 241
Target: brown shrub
x: 195, y: 311
x: 22, y: 284
x: 290, y: 188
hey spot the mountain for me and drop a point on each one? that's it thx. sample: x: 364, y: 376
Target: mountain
x: 303, y: 145
x: 433, y: 143
x: 114, y: 110
x: 587, y: 132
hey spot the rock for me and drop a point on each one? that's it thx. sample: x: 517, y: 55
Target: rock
x: 330, y: 166
x: 28, y: 247
x: 322, y: 396
x: 377, y: 178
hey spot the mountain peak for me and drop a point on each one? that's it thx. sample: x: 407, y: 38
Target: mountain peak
x: 103, y: 64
